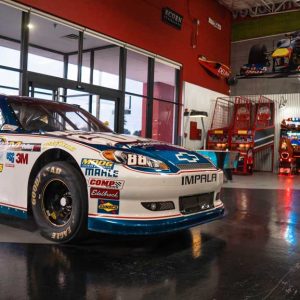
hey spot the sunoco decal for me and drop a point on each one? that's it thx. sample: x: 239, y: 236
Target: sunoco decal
x: 108, y: 207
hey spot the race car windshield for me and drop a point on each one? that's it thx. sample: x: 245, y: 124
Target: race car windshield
x: 53, y: 116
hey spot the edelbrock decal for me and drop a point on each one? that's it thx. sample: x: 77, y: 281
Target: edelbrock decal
x: 195, y: 179
x: 105, y: 194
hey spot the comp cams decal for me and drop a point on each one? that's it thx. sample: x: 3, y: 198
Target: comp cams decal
x: 195, y: 179
x: 107, y: 183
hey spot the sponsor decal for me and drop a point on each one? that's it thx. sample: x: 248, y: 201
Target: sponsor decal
x: 9, y: 127
x: 101, y: 173
x: 54, y: 170
x: 96, y: 164
x: 108, y: 207
x: 10, y: 156
x: 107, y: 183
x: 22, y: 158
x: 31, y: 147
x: 19, y: 145
x: 36, y: 184
x: 61, y: 235
x: 138, y: 160
x: 1, y: 168
x: 184, y: 156
x: 105, y: 194
x: 60, y: 144
x: 195, y: 179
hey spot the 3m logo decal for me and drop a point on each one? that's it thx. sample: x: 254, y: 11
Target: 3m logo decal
x: 183, y: 156
x: 105, y: 194
x: 106, y: 183
x: 195, y: 179
x: 108, y: 207
x: 22, y: 158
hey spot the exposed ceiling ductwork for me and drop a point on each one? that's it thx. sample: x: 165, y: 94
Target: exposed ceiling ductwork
x: 254, y: 8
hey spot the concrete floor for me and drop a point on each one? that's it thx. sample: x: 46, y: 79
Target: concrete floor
x: 253, y: 253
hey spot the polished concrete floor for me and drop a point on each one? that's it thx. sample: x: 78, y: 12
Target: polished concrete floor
x: 253, y: 253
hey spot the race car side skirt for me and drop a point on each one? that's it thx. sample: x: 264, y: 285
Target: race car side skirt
x: 150, y: 227
x: 13, y: 211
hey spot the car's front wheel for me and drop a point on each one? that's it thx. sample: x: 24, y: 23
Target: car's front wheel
x: 59, y: 202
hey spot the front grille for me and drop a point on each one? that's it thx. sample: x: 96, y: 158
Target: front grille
x: 196, y: 203
x: 193, y: 166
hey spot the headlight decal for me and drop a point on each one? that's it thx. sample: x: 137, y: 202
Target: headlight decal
x: 134, y: 160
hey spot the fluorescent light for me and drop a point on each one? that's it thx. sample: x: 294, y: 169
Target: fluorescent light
x: 30, y: 26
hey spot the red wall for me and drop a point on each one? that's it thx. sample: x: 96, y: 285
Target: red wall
x: 138, y: 22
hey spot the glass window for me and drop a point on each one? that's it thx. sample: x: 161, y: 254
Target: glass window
x: 86, y: 69
x: 35, y: 116
x: 106, y: 67
x: 164, y: 82
x: 10, y: 33
x: 135, y: 115
x: 9, y: 91
x: 136, y: 73
x: 163, y: 121
x: 106, y: 61
x: 9, y: 78
x: 104, y: 110
x: 45, y: 62
x: 78, y: 98
x: 49, y: 41
x: 72, y: 67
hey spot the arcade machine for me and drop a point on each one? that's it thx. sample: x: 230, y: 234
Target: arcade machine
x: 289, y: 146
x: 251, y: 130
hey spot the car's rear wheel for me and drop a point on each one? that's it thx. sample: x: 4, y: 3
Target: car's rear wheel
x: 59, y: 202
x: 258, y: 55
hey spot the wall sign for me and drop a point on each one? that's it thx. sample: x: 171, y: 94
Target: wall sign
x: 172, y: 18
x: 214, y: 23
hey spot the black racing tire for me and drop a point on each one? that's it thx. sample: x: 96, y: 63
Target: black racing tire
x: 59, y: 202
x: 257, y: 55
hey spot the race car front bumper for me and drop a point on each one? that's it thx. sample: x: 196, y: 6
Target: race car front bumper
x: 148, y: 227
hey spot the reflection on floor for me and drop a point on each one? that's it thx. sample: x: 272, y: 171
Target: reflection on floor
x: 264, y: 180
x: 253, y: 253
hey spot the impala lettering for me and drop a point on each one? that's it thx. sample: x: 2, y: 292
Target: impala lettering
x: 195, y: 179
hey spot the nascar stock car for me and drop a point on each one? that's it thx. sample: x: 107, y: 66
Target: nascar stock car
x: 61, y: 164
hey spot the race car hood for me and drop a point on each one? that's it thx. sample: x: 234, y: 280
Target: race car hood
x: 168, y: 153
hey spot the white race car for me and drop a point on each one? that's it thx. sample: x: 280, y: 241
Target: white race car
x: 72, y: 173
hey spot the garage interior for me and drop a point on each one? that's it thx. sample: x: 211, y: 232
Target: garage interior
x: 141, y: 76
